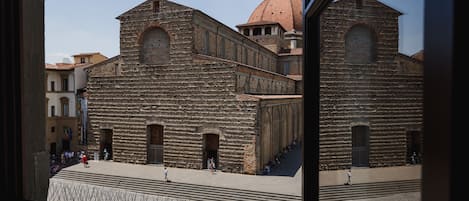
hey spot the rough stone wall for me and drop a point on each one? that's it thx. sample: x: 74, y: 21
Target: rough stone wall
x: 253, y: 81
x: 108, y: 68
x: 273, y: 42
x: 247, y: 51
x: 378, y: 94
x: 176, y: 20
x: 181, y: 97
x: 295, y: 64
x: 280, y: 125
x: 191, y: 95
x: 409, y: 65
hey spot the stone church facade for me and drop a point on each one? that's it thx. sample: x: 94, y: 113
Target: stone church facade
x: 371, y: 96
x: 186, y: 87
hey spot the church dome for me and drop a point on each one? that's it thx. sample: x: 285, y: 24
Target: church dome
x: 286, y: 12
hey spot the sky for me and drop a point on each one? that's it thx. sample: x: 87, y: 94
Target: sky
x: 73, y: 27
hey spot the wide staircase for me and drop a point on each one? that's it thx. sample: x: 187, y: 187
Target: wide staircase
x: 368, y: 190
x: 184, y: 191
x: 177, y: 191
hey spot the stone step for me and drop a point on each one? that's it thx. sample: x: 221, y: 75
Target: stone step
x: 200, y: 192
x: 173, y: 189
x: 368, y: 190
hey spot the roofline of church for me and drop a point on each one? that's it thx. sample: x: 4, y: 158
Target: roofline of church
x: 245, y: 37
x: 104, y: 62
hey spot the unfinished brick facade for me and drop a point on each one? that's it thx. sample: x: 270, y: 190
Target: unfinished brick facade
x: 368, y: 90
x: 197, y: 85
x: 187, y: 87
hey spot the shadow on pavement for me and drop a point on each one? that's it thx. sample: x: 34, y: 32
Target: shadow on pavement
x: 290, y: 162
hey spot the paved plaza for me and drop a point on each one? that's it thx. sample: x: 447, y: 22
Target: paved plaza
x: 284, y: 179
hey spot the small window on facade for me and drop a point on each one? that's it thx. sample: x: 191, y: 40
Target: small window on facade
x: 65, y: 110
x: 257, y: 31
x: 82, y: 60
x: 156, y: 6
x: 65, y: 84
x: 65, y: 106
x: 246, y: 32
x: 52, y: 111
x: 117, y: 69
x: 52, y: 86
x: 52, y: 129
x: 359, y: 4
x: 268, y: 31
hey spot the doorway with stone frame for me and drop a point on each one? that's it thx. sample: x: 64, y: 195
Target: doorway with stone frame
x: 360, y: 146
x: 414, y: 148
x: 155, y: 144
x: 211, y: 144
x: 106, y: 144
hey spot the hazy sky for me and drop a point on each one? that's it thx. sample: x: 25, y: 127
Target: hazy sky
x: 73, y: 27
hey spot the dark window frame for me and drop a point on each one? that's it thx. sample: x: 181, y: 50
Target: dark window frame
x: 269, y: 32
x: 246, y: 32
x: 52, y: 111
x: 52, y: 85
x: 64, y: 101
x: 257, y: 31
x: 65, y: 86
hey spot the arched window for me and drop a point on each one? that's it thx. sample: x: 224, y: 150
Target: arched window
x: 155, y: 47
x: 360, y: 45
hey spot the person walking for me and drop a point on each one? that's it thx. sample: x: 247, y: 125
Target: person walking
x: 84, y: 159
x: 214, y: 168
x: 165, y: 172
x: 211, y: 165
x: 349, y: 177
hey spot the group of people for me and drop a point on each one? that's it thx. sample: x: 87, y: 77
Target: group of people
x: 63, y: 160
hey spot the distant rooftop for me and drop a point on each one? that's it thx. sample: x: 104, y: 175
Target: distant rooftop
x: 63, y: 66
x: 87, y: 54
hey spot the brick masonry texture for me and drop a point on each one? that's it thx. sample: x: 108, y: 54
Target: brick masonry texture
x: 195, y: 92
x: 382, y: 95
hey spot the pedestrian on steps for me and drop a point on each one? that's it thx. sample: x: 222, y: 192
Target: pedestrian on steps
x: 349, y: 177
x: 165, y: 171
x: 84, y: 159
